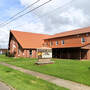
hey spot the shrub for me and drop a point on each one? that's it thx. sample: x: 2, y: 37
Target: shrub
x: 7, y: 53
x: 10, y: 54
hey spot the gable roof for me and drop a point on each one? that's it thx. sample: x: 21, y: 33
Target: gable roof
x: 69, y: 33
x: 29, y: 40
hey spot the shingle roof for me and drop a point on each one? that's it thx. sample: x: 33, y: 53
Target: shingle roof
x: 29, y: 40
x: 69, y: 33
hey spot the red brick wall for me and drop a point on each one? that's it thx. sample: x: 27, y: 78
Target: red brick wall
x: 13, y: 42
x: 68, y: 40
x: 27, y: 54
x: 20, y: 52
x: 88, y: 54
x: 71, y: 40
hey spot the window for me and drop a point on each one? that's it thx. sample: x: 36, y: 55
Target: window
x: 56, y: 42
x: 13, y: 46
x: 13, y: 42
x: 87, y: 34
x: 82, y: 40
x: 62, y: 41
x: 23, y: 52
x: 46, y: 44
x: 30, y: 52
x: 78, y: 35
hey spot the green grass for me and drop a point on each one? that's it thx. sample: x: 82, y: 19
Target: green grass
x: 21, y: 81
x: 74, y: 70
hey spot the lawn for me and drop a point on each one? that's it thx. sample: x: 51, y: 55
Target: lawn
x: 21, y: 81
x: 74, y: 70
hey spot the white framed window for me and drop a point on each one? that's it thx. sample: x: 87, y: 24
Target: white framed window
x: 23, y: 53
x: 87, y: 34
x: 47, y: 44
x: 62, y: 42
x: 82, y: 40
x: 56, y: 42
x: 13, y: 42
x: 78, y: 35
x: 14, y: 46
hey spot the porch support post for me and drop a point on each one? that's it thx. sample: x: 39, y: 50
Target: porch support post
x: 60, y: 53
x: 80, y: 54
x: 68, y: 53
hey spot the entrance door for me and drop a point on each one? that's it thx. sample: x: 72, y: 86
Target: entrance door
x: 84, y: 54
x: 30, y: 53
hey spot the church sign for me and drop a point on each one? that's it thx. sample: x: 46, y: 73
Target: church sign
x: 45, y: 53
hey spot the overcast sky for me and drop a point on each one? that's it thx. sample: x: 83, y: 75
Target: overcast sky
x: 57, y: 16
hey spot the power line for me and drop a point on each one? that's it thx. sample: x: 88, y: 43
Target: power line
x: 22, y: 11
x: 61, y: 7
x: 46, y: 14
x: 26, y: 13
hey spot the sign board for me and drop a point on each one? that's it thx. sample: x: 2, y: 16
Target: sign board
x: 45, y: 53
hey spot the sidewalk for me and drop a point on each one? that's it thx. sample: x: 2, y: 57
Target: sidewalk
x: 60, y: 82
x: 4, y: 87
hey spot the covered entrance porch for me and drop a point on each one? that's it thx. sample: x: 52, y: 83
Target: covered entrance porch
x: 70, y: 53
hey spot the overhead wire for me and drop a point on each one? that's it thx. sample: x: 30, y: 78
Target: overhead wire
x: 46, y: 14
x: 26, y: 13
x: 21, y: 11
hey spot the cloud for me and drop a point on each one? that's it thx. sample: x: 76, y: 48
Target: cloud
x: 4, y: 37
x: 71, y: 19
x: 26, y: 2
x: 32, y: 27
x: 49, y: 19
x: 61, y: 19
x: 45, y: 8
x: 76, y: 16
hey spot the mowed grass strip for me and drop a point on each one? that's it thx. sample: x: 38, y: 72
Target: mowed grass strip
x: 74, y: 70
x: 21, y: 81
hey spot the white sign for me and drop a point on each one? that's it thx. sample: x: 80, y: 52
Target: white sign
x: 46, y: 54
